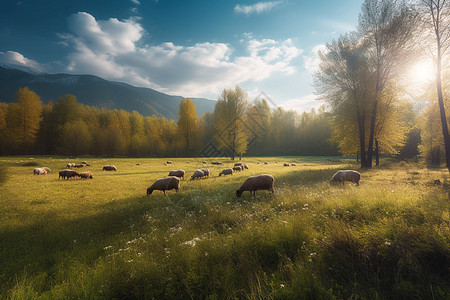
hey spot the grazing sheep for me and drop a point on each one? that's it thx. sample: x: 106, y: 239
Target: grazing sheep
x: 67, y: 174
x: 245, y: 166
x: 205, y: 171
x: 85, y: 163
x: 86, y: 175
x: 216, y: 163
x: 70, y: 165
x: 255, y: 183
x: 177, y: 173
x: 266, y: 163
x: 346, y: 175
x: 238, y: 168
x: 197, y: 174
x: 138, y: 164
x: 293, y: 165
x: 40, y: 171
x: 204, y: 162
x: 286, y: 164
x: 228, y: 171
x: 47, y: 169
x: 238, y: 164
x: 165, y: 184
x: 78, y: 165
x: 110, y: 168
x: 169, y: 162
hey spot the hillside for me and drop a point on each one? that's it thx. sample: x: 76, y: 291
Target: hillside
x: 95, y: 91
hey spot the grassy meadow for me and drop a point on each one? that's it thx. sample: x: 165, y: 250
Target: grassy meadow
x: 388, y: 238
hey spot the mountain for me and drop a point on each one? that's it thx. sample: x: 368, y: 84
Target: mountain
x: 95, y: 91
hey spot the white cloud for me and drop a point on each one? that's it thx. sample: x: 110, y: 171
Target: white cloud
x: 137, y: 2
x: 312, y: 60
x: 112, y: 49
x: 15, y: 58
x: 257, y: 8
x: 303, y: 104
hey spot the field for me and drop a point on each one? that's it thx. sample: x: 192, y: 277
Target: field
x: 388, y: 238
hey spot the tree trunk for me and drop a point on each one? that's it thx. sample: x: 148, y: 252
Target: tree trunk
x: 442, y: 112
x: 377, y: 153
x: 371, y: 135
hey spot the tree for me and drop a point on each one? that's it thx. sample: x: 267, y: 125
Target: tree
x: 76, y: 138
x: 187, y: 124
x: 387, y: 27
x: 229, y: 115
x: 438, y: 12
x: 345, y: 82
x: 23, y: 119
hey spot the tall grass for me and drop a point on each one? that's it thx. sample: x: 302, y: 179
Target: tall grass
x: 104, y: 238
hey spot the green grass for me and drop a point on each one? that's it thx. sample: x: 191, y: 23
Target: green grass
x: 388, y: 238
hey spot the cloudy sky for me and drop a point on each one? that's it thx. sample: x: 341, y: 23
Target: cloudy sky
x: 191, y: 48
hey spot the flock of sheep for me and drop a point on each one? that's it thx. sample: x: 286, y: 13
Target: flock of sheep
x: 251, y: 184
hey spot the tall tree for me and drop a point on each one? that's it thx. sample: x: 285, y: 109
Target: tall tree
x: 346, y: 83
x: 229, y: 113
x: 387, y: 27
x: 23, y: 119
x: 438, y: 16
x: 187, y: 124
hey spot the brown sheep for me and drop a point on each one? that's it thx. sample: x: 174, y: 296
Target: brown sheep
x: 293, y: 165
x: 216, y: 163
x: 255, y: 183
x: 78, y: 165
x: 169, y: 162
x: 85, y: 163
x: 110, y: 168
x: 177, y: 173
x: 228, y: 171
x: 40, y: 171
x: 67, y: 174
x: 286, y: 164
x: 165, y: 184
x: 197, y: 174
x: 237, y: 168
x: 245, y: 166
x: 205, y: 171
x: 346, y: 175
x: 86, y: 175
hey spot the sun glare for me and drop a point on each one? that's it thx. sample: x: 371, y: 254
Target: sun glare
x: 422, y: 72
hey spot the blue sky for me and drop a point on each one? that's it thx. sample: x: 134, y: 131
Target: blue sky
x: 189, y: 48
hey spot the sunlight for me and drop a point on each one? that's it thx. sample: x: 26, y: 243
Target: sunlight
x: 422, y: 72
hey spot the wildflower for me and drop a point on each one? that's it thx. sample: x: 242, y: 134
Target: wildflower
x: 282, y: 285
x: 107, y: 247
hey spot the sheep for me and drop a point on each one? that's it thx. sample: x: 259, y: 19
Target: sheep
x: 47, y: 169
x: 266, y: 163
x: 85, y: 163
x: 238, y: 164
x: 346, y: 175
x: 86, y: 175
x: 255, y: 183
x: 246, y: 166
x: 40, y: 171
x: 228, y: 171
x: 205, y: 171
x: 67, y: 174
x: 70, y: 165
x: 165, y: 184
x: 78, y: 165
x: 177, y: 173
x: 237, y: 168
x: 216, y: 163
x: 293, y: 165
x: 204, y: 162
x: 197, y: 174
x: 169, y: 162
x: 286, y: 164
x: 110, y: 168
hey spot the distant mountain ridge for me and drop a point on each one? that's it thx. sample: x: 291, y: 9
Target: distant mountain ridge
x: 95, y: 91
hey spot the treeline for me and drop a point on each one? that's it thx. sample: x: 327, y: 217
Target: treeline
x: 66, y: 127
